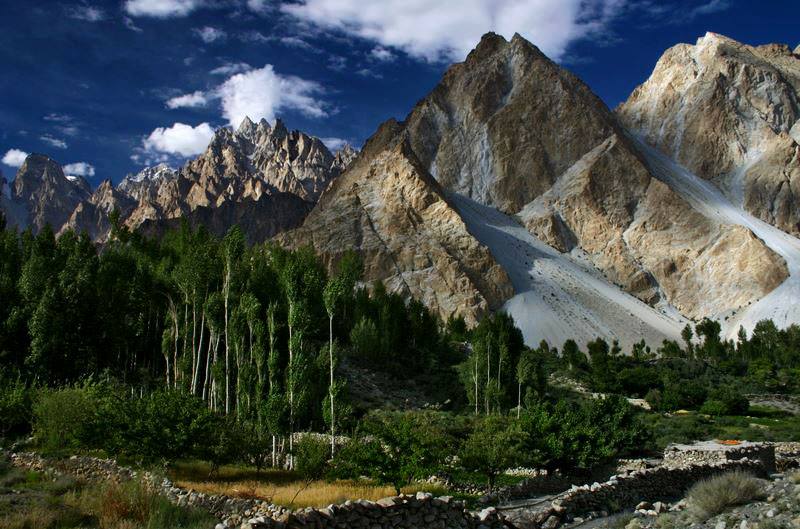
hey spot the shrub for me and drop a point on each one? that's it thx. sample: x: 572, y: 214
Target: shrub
x: 726, y: 401
x: 16, y: 406
x: 494, y: 445
x: 63, y: 417
x: 712, y: 496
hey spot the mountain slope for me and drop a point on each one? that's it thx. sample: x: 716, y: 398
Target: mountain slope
x: 729, y: 113
x: 389, y: 209
x: 511, y: 129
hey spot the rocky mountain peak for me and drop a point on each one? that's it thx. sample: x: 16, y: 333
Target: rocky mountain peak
x: 726, y: 111
x: 47, y: 194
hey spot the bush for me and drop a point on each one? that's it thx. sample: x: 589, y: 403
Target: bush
x: 166, y: 424
x: 725, y: 401
x: 494, y: 445
x: 712, y: 496
x: 62, y: 418
x: 16, y: 408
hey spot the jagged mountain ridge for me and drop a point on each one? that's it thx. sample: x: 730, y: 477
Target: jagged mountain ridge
x: 262, y: 177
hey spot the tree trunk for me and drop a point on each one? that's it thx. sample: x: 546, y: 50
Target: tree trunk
x: 519, y: 398
x: 199, y: 353
x: 291, y: 389
x: 330, y: 389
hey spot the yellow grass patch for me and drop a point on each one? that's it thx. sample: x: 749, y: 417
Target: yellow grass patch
x: 279, y: 487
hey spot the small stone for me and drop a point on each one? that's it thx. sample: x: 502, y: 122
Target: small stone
x: 771, y: 513
x: 644, y: 506
x: 720, y: 525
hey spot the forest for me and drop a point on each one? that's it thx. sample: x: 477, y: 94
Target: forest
x: 191, y: 346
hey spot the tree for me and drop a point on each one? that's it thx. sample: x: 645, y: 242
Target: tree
x: 233, y: 248
x: 494, y: 445
x: 335, y: 291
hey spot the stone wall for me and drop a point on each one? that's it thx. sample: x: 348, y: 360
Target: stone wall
x: 625, y: 491
x: 398, y: 512
x: 706, y: 452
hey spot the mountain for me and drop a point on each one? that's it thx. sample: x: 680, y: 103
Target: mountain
x: 545, y: 177
x: 41, y: 194
x: 720, y: 121
x: 512, y: 186
x: 264, y: 178
x: 389, y: 208
x: 730, y: 113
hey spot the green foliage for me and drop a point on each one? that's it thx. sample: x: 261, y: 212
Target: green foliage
x: 725, y: 400
x: 64, y: 418
x: 16, y: 407
x: 580, y: 437
x: 311, y: 458
x: 394, y: 449
x: 495, y: 444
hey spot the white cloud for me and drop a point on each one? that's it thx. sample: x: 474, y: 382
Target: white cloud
x: 64, y: 123
x: 179, y: 139
x: 14, y: 157
x: 209, y: 34
x: 262, y: 93
x: 712, y: 6
x: 254, y: 36
x: 381, y: 54
x: 193, y: 100
x: 131, y: 25
x: 231, y: 68
x: 79, y: 169
x: 295, y: 42
x: 53, y: 141
x: 87, y: 13
x: 334, y: 144
x: 448, y: 30
x: 258, y: 6
x: 161, y: 8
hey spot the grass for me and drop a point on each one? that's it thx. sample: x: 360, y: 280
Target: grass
x: 761, y: 424
x: 714, y: 495
x: 280, y: 487
x: 31, y: 500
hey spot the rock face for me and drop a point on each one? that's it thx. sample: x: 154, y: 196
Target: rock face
x: 731, y: 114
x: 511, y: 129
x: 92, y: 215
x: 45, y: 193
x: 388, y: 208
x: 266, y: 179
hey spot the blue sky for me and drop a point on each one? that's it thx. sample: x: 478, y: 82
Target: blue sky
x: 109, y: 86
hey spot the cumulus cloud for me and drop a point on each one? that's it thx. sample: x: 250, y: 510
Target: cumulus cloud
x: 231, y: 68
x: 449, y: 30
x: 381, y: 54
x: 193, y: 100
x: 79, y: 169
x: 14, y: 157
x: 209, y: 34
x: 87, y: 13
x: 161, y: 8
x: 262, y: 93
x: 53, y: 141
x: 179, y: 139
